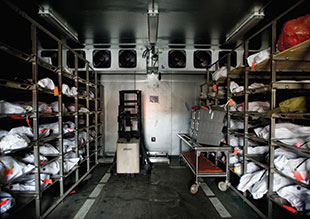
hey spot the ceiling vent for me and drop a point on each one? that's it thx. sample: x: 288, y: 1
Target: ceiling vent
x: 202, y: 59
x: 102, y: 58
x: 177, y: 59
x: 233, y: 58
x: 51, y: 54
x: 127, y: 58
x: 70, y: 59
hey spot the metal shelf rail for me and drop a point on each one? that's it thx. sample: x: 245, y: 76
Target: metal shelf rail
x: 294, y: 60
x: 94, y: 118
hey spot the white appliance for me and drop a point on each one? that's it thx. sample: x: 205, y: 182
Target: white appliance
x: 128, y: 156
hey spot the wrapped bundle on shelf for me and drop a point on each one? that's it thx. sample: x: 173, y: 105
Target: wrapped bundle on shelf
x: 256, y: 106
x: 46, y: 83
x: 298, y: 168
x: 292, y: 105
x: 10, y: 108
x: 53, y: 168
x: 297, y: 196
x: 91, y: 94
x: 259, y: 150
x: 68, y: 144
x: 69, y: 91
x: 287, y: 133
x: 29, y: 158
x: 221, y: 72
x: 48, y: 150
x: 3, y: 133
x: 11, y: 169
x: 235, y: 88
x: 28, y: 183
x: 68, y: 127
x: 238, y: 141
x: 236, y: 124
x: 11, y: 142
x: 21, y: 130
x: 7, y: 202
x: 258, y: 57
x: 55, y: 107
x: 82, y: 137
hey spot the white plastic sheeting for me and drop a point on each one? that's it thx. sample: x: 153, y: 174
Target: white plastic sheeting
x: 21, y: 130
x: 3, y: 133
x: 7, y: 200
x: 288, y: 133
x: 10, y: 108
x: 68, y: 145
x: 297, y: 196
x: 11, y: 168
x: 46, y: 83
x: 28, y: 183
x: 236, y: 124
x: 69, y: 91
x: 48, y: 150
x: 235, y: 88
x: 258, y: 57
x: 260, y: 150
x: 289, y: 166
x: 54, y: 168
x: 256, y: 106
x: 29, y: 158
x: 238, y: 141
x: 221, y: 72
x: 13, y: 142
x: 55, y: 107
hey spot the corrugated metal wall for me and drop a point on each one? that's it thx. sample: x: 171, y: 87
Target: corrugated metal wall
x: 163, y: 120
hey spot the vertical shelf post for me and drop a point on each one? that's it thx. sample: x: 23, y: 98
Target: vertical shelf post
x: 35, y: 123
x: 60, y: 121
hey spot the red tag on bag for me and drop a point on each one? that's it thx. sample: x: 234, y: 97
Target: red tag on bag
x: 298, y: 176
x: 203, y: 107
x: 56, y: 92
x: 9, y: 171
x: 47, y: 111
x: 72, y: 192
x: 252, y: 67
x: 214, y: 88
x: 4, y: 202
x: 293, y: 210
x: 298, y: 144
x: 230, y: 102
x: 16, y: 117
x: 236, y: 151
x: 47, y: 181
x: 42, y: 163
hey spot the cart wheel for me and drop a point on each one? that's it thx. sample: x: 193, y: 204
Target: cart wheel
x: 194, y: 189
x: 223, y: 186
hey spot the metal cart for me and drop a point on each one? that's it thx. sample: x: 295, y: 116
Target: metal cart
x: 194, y: 164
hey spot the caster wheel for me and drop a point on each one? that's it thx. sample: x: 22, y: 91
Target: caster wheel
x: 223, y: 186
x: 194, y: 189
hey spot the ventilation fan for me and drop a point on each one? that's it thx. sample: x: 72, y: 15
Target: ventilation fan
x: 202, y: 59
x: 53, y: 55
x: 233, y: 58
x: 127, y: 58
x: 102, y: 59
x: 177, y: 59
x: 70, y: 59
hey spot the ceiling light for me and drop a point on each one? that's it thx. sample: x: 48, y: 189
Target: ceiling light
x: 249, y: 22
x: 153, y: 19
x: 46, y: 13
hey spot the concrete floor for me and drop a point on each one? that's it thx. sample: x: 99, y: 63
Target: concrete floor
x: 162, y: 194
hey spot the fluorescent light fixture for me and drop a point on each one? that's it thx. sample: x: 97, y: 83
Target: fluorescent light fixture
x: 46, y: 13
x: 249, y: 22
x: 153, y: 19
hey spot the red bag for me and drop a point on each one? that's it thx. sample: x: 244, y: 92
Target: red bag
x: 294, y: 32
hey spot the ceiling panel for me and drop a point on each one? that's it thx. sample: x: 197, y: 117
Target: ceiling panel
x: 180, y: 21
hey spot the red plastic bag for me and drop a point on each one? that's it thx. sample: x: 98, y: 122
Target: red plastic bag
x: 294, y: 32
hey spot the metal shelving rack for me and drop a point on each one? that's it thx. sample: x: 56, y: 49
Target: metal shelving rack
x: 95, y: 106
x: 270, y: 70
